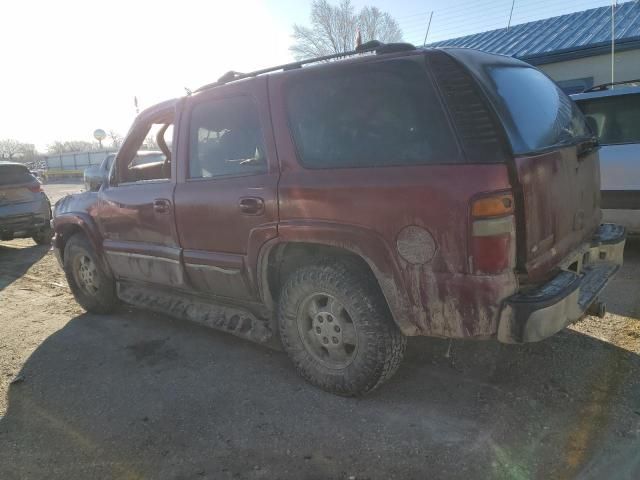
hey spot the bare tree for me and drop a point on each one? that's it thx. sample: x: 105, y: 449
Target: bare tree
x: 72, y: 146
x: 333, y: 29
x: 11, y: 149
x: 378, y: 25
x: 116, y: 138
x: 150, y: 143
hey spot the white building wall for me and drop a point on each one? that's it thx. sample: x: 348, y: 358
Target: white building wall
x: 627, y: 67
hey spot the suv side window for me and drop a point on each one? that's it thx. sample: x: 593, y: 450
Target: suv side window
x: 225, y: 139
x: 377, y: 114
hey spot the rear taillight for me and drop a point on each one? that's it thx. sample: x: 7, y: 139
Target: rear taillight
x: 493, y: 234
x: 35, y: 188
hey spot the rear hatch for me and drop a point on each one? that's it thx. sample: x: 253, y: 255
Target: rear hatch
x: 560, y: 196
x: 17, y: 185
x: 555, y: 172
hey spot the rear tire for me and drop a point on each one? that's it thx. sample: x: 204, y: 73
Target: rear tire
x: 93, y: 288
x: 43, y: 236
x: 337, y: 329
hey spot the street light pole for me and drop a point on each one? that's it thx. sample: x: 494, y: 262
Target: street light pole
x: 613, y: 39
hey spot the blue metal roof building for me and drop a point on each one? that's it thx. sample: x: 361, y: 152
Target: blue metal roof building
x: 562, y: 38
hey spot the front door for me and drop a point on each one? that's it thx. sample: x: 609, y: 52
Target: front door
x: 136, y: 211
x: 225, y: 198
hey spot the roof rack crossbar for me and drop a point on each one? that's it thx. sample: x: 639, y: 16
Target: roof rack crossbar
x: 371, y: 46
x: 603, y: 86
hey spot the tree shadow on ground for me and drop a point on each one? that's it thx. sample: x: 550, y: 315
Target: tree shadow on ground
x: 137, y: 395
x: 16, y: 259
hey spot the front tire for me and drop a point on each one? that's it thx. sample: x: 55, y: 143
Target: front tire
x: 337, y: 329
x: 93, y: 288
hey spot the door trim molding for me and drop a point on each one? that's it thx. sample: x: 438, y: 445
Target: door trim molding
x: 141, y: 255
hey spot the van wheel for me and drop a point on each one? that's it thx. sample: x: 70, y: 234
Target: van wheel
x: 337, y: 329
x: 93, y: 288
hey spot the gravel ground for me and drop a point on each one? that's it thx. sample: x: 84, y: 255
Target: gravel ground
x: 57, y: 190
x: 137, y: 395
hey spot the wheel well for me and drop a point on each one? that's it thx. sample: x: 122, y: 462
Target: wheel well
x: 285, y: 258
x: 64, y: 234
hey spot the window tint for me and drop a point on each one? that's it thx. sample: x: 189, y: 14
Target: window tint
x: 614, y: 119
x: 369, y: 115
x: 536, y: 112
x: 226, y: 139
x: 15, y: 174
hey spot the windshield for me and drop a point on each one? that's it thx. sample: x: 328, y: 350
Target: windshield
x: 615, y: 119
x: 538, y: 113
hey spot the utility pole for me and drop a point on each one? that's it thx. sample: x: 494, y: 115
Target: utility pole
x: 428, y: 27
x: 614, y: 4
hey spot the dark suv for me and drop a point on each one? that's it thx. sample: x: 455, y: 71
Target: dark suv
x: 345, y: 205
x: 25, y: 210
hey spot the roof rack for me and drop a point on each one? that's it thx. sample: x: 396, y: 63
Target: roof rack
x: 604, y: 86
x: 372, y: 46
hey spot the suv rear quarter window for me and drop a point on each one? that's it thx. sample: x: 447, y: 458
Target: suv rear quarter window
x: 536, y: 112
x: 376, y: 114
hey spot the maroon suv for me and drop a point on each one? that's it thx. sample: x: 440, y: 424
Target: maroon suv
x: 345, y: 205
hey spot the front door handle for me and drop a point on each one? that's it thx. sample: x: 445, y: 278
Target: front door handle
x: 252, y: 205
x: 161, y: 205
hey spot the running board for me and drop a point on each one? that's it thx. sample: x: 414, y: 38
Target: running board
x: 231, y: 319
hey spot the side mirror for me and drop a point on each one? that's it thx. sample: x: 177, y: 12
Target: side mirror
x: 110, y: 176
x: 97, y: 183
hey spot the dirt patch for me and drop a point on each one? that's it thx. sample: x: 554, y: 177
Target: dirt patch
x: 137, y: 394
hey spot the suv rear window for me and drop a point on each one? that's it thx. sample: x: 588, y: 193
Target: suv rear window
x: 614, y: 119
x: 14, y: 174
x: 537, y: 113
x: 377, y: 114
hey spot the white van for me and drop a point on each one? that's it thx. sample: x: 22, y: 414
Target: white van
x: 613, y: 113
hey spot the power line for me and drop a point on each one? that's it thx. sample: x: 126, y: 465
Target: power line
x: 443, y: 25
x: 567, y: 6
x: 499, y: 5
x: 502, y: 10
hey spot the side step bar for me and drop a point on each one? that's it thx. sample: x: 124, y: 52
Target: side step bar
x: 231, y: 319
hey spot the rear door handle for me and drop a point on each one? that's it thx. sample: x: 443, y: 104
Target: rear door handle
x: 161, y: 205
x: 252, y: 205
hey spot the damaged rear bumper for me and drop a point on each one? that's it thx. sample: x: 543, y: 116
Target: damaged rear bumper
x: 539, y: 313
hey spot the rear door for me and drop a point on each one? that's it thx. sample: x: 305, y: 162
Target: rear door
x: 556, y: 164
x: 226, y: 196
